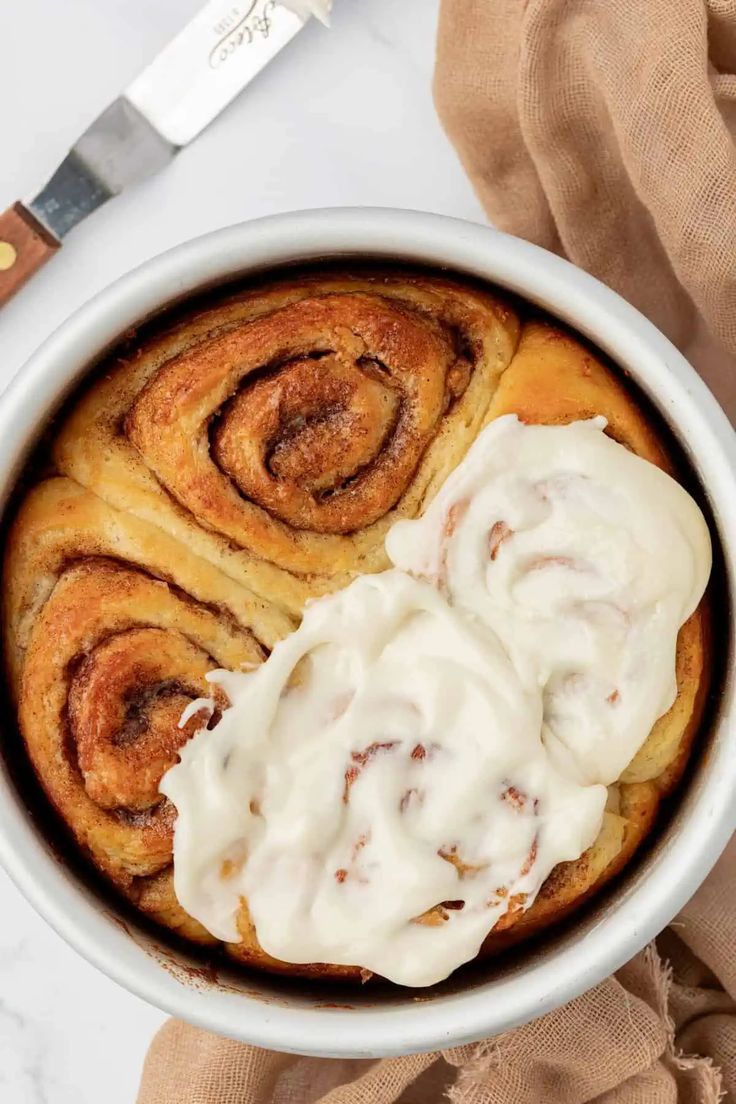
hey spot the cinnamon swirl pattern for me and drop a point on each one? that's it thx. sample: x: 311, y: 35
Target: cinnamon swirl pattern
x: 110, y: 630
x: 280, y: 434
x: 215, y: 475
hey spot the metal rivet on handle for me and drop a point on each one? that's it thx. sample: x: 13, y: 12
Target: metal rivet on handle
x: 8, y: 256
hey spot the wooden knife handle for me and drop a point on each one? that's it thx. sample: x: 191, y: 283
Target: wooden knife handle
x: 24, y: 246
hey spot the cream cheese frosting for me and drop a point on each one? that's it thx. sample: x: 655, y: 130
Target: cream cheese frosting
x: 585, y: 560
x: 385, y: 760
x: 411, y: 763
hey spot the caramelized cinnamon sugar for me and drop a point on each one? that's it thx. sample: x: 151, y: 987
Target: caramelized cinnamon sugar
x: 360, y: 758
x: 499, y: 533
x: 277, y: 434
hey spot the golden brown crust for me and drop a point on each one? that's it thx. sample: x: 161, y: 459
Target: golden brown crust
x: 251, y: 457
x: 110, y: 628
x: 554, y: 379
x: 280, y: 434
x: 59, y: 523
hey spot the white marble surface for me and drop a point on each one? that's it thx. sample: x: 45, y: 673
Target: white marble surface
x: 342, y: 117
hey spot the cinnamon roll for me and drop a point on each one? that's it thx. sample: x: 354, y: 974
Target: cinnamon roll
x: 225, y: 466
x: 280, y: 434
x: 553, y: 381
x: 110, y: 629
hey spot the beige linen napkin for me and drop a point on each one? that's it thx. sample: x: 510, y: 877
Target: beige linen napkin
x: 601, y: 129
x: 604, y: 130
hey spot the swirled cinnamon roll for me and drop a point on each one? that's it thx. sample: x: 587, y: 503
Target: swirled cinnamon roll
x: 281, y: 434
x: 110, y: 630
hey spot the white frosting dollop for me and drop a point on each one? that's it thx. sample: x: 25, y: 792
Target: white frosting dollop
x: 585, y: 560
x: 384, y: 760
x: 304, y: 8
x: 410, y: 764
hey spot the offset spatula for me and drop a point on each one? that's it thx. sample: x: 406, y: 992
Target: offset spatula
x: 184, y: 89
